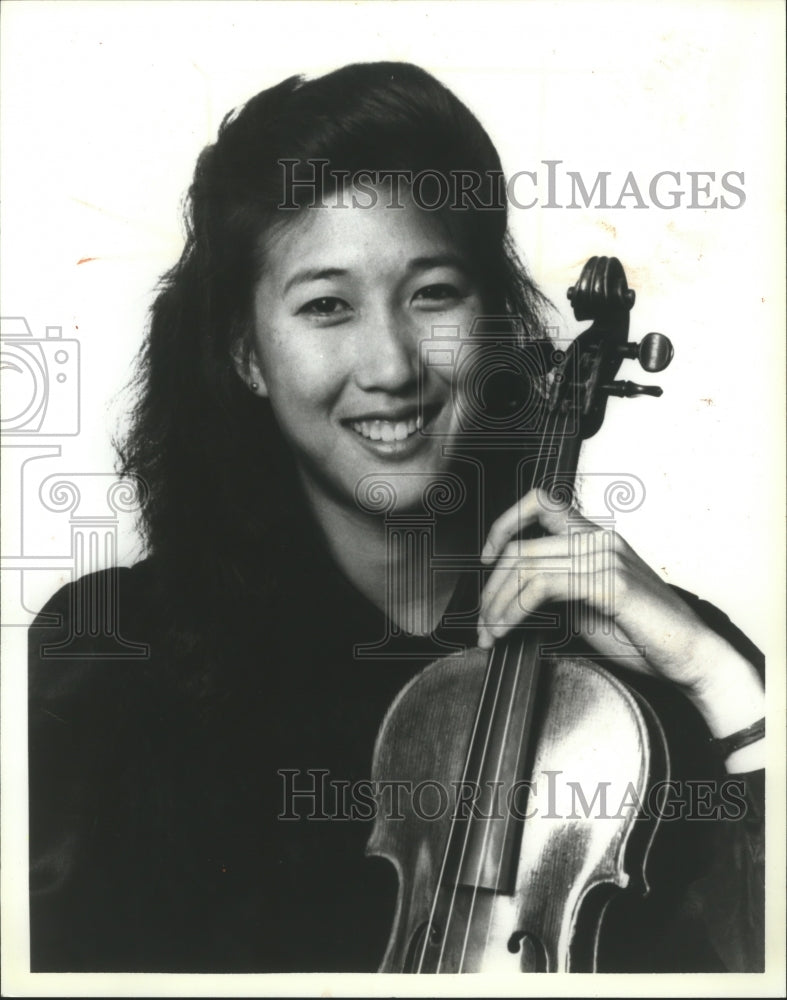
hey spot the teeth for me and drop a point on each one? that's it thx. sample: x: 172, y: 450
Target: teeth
x: 386, y: 430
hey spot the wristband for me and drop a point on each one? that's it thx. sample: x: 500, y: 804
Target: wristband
x: 737, y: 741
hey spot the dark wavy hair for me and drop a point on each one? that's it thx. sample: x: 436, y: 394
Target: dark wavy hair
x: 219, y: 479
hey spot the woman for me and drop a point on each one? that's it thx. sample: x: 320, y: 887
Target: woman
x: 179, y: 817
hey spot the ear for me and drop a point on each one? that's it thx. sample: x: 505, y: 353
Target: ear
x: 248, y: 368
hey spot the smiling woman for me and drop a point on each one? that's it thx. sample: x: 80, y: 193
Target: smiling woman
x: 317, y: 529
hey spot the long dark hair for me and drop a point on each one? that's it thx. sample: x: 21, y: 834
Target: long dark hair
x: 219, y: 478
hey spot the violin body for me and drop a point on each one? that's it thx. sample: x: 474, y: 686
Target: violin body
x: 573, y: 852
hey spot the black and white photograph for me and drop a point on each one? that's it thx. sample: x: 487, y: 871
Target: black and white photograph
x: 393, y: 498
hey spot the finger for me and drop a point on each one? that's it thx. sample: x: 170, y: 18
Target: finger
x: 510, y: 523
x: 517, y: 597
x: 581, y: 551
x: 547, y: 554
x: 515, y: 607
x: 507, y: 592
x: 537, y: 506
x: 549, y: 588
x: 605, y: 635
x: 592, y: 568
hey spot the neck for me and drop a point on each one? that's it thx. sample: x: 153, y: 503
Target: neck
x: 388, y: 562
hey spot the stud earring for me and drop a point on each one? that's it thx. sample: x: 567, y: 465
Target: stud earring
x: 254, y: 386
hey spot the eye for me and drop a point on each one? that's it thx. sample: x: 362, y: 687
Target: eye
x: 438, y: 295
x: 326, y: 307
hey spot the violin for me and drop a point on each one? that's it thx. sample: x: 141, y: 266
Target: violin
x: 522, y: 743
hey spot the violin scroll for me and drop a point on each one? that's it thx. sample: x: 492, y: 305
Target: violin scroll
x: 586, y: 378
x: 602, y: 291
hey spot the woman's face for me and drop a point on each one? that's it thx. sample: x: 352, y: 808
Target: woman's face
x: 346, y: 299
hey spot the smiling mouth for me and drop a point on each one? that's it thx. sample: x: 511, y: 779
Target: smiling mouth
x: 387, y: 431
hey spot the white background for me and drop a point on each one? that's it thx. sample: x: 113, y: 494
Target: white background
x: 107, y: 104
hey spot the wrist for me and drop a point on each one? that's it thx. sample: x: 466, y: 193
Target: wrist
x: 730, y: 696
x: 743, y: 750
x: 750, y: 758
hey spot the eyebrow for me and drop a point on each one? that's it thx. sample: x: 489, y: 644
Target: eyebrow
x: 313, y: 274
x: 415, y: 264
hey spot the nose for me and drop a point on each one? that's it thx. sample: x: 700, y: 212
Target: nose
x: 387, y: 353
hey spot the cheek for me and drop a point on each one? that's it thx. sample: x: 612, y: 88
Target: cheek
x: 299, y: 370
x: 474, y: 310
x: 464, y: 318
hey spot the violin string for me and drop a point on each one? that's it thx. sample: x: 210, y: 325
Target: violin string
x: 487, y: 824
x: 468, y: 826
x: 452, y: 828
x: 488, y: 827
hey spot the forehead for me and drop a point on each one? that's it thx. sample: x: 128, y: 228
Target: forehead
x: 356, y: 238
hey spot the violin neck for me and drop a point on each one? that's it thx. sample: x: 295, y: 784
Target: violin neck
x: 558, y: 456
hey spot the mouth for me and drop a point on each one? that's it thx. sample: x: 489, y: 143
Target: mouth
x: 387, y: 430
x: 393, y: 435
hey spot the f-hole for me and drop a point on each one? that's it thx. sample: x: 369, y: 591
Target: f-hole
x: 533, y: 957
x: 418, y: 946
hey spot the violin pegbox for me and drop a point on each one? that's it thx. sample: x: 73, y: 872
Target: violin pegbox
x: 602, y: 295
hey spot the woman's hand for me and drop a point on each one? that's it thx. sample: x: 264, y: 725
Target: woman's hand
x: 622, y: 607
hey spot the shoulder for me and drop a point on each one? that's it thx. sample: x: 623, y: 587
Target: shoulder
x: 98, y: 603
x: 98, y: 626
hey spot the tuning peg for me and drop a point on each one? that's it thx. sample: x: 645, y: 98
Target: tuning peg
x: 654, y: 352
x: 632, y: 389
